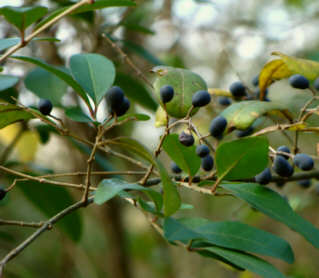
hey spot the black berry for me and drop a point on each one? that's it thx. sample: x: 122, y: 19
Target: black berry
x: 246, y: 132
x: 283, y: 149
x: 166, y: 93
x: 303, y: 161
x: 207, y: 163
x: 114, y: 98
x: 122, y: 109
x: 202, y: 150
x: 3, y: 193
x: 201, y: 98
x: 175, y: 169
x: 186, y: 139
x: 217, y: 126
x: 282, y: 167
x: 255, y: 81
x: 304, y: 183
x: 225, y: 101
x: 298, y: 81
x: 264, y: 177
x: 45, y: 106
x: 237, y: 89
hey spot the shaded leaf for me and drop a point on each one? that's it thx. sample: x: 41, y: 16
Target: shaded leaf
x: 77, y: 115
x: 172, y: 200
x: 7, y: 81
x: 46, y: 85
x: 243, y: 158
x: 50, y: 200
x: 22, y: 17
x: 275, y: 206
x: 8, y: 42
x: 245, y: 261
x: 62, y: 74
x: 136, y: 91
x: 134, y: 116
x: 94, y: 72
x: 10, y: 113
x: 184, y: 157
x: 242, y: 115
x: 229, y: 234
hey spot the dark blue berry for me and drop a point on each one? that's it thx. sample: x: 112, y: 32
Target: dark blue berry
x: 45, y: 106
x: 303, y: 161
x: 201, y: 98
x: 202, y: 150
x: 3, y: 193
x: 304, y: 183
x: 114, y: 98
x: 298, y: 81
x: 186, y: 139
x: 166, y: 93
x: 207, y: 163
x: 264, y: 177
x: 246, y: 132
x: 255, y: 81
x: 283, y: 149
x: 282, y: 167
x: 237, y: 89
x: 217, y: 126
x: 122, y: 109
x: 225, y: 101
x: 175, y: 168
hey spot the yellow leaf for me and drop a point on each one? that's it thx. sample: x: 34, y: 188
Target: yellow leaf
x: 273, y: 70
x: 219, y: 92
x: 27, y: 146
x: 8, y: 133
x: 160, y: 117
x: 307, y: 68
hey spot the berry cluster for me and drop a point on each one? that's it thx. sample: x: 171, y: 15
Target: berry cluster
x: 117, y: 102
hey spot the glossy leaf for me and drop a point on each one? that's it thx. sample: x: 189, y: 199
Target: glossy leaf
x: 245, y: 261
x: 77, y: 115
x: 50, y: 200
x: 133, y: 146
x: 109, y: 188
x: 172, y: 200
x: 94, y: 72
x: 7, y: 81
x: 22, y: 17
x: 229, y: 234
x: 243, y: 158
x: 46, y: 85
x: 10, y: 113
x: 62, y: 74
x: 275, y: 206
x: 184, y: 157
x: 242, y: 115
x: 135, y: 91
x: 185, y: 84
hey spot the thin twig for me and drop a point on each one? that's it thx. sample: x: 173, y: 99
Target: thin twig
x: 20, y: 223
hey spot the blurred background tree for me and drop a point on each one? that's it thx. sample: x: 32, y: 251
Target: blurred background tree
x: 223, y: 41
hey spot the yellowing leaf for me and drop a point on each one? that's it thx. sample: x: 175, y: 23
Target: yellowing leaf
x: 27, y: 146
x: 273, y: 70
x: 160, y: 117
x: 219, y: 92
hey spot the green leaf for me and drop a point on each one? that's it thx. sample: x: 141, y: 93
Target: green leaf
x: 7, y: 81
x: 273, y: 205
x: 10, y: 113
x: 229, y: 234
x: 109, y: 188
x: 135, y: 91
x: 172, y: 200
x: 134, y: 116
x: 184, y: 157
x: 22, y: 17
x: 241, y: 115
x: 243, y: 158
x: 94, y: 72
x: 138, y: 28
x: 245, y: 261
x: 77, y: 115
x: 46, y: 85
x: 62, y: 74
x: 51, y: 200
x: 133, y: 146
x: 8, y: 42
